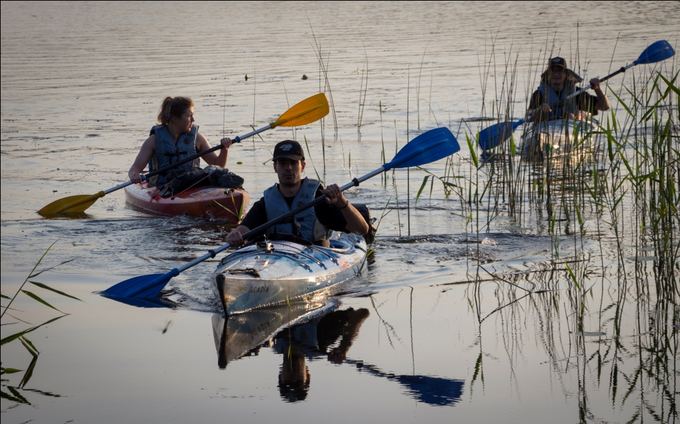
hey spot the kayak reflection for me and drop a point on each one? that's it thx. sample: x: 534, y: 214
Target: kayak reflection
x: 307, y: 331
x: 239, y: 334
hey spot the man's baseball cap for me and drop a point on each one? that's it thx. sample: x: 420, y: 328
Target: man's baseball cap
x: 288, y: 149
x: 557, y: 62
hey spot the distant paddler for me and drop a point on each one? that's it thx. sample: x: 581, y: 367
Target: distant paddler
x: 555, y: 99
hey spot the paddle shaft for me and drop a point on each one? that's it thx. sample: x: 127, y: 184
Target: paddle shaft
x: 403, y: 158
x: 613, y: 74
x: 656, y: 52
x: 301, y: 110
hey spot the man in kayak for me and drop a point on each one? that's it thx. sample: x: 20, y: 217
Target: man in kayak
x: 177, y: 139
x: 312, y: 224
x: 550, y: 101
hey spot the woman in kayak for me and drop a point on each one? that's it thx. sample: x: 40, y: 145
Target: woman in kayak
x: 172, y: 143
x: 550, y: 101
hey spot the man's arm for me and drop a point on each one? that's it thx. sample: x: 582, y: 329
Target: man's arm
x: 602, y: 102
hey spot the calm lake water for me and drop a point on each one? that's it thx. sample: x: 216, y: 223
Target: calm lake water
x: 413, y: 340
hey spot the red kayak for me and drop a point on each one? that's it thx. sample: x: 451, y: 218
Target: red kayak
x: 203, y: 202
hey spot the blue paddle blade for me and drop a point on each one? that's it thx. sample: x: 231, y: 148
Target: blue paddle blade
x: 158, y: 302
x: 428, y: 147
x: 433, y: 390
x: 656, y: 52
x: 141, y: 287
x: 494, y: 135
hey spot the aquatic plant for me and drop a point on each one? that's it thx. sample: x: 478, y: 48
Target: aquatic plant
x: 324, y: 87
x: 15, y: 392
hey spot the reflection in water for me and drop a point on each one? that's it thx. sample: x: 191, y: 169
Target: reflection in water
x: 430, y: 390
x: 330, y: 335
x: 595, y: 345
x: 157, y: 302
x: 306, y: 331
x: 239, y: 334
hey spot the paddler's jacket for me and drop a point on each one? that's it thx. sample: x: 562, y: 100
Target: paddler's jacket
x: 558, y: 102
x: 168, y: 152
x: 561, y: 107
x: 304, y: 224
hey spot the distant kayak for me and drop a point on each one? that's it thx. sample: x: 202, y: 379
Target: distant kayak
x: 271, y: 273
x: 202, y: 202
x: 561, y: 139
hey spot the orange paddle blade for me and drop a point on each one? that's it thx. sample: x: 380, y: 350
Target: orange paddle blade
x: 305, y: 112
x: 71, y: 205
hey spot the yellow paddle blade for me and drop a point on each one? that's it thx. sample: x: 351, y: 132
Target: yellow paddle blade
x: 71, y: 205
x: 307, y: 111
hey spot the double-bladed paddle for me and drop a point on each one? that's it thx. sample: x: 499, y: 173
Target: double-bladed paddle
x: 494, y: 135
x: 428, y: 147
x: 305, y: 112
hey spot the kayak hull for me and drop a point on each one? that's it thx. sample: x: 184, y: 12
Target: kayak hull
x: 201, y: 202
x: 279, y: 272
x: 559, y: 140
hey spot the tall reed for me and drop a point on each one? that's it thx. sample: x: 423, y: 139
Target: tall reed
x: 16, y: 392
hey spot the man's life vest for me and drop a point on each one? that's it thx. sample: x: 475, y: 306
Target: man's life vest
x: 168, y: 152
x: 304, y: 224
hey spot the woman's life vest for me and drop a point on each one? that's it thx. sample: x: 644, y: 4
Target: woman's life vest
x: 167, y: 152
x: 304, y: 224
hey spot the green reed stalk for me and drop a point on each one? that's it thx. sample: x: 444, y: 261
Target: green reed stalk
x: 394, y: 179
x: 408, y: 170
x: 326, y: 88
x: 363, y: 90
x: 15, y: 392
x: 383, y: 157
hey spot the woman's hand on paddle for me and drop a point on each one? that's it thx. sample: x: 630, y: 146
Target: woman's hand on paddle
x: 334, y: 196
x: 135, y: 176
x: 226, y: 142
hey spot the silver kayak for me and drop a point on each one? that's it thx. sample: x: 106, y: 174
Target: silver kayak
x: 561, y: 139
x: 276, y: 272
